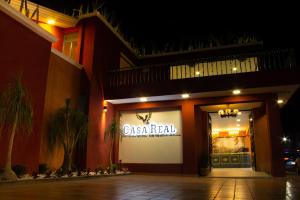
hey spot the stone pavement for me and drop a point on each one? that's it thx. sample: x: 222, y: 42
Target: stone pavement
x: 157, y: 187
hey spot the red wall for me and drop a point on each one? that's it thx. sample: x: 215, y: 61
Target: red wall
x: 23, y: 51
x: 99, y: 50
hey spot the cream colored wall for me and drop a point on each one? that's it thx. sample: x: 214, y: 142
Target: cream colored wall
x: 164, y: 149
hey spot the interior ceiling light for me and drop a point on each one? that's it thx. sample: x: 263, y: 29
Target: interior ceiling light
x: 234, y: 69
x: 228, y: 112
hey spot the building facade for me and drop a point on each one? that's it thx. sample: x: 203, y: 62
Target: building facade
x: 168, y: 106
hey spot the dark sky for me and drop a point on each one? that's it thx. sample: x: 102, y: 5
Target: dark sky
x: 162, y: 21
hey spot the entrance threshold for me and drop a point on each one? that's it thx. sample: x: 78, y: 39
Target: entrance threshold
x: 237, y: 173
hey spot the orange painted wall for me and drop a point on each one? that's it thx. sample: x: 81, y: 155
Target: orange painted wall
x: 63, y: 82
x: 57, y: 32
x: 23, y: 51
x: 262, y: 141
x: 275, y: 131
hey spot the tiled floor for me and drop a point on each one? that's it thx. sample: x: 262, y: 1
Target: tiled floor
x: 236, y: 172
x: 143, y: 187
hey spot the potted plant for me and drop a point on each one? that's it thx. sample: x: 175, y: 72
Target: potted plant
x: 16, y: 116
x: 68, y: 127
x: 111, y: 133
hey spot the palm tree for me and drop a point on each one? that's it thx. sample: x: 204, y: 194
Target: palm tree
x: 68, y: 127
x: 111, y: 134
x: 15, y: 117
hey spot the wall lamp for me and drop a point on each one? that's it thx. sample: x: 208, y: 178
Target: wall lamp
x: 104, y: 108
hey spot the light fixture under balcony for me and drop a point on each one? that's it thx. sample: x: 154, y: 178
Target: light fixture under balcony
x: 236, y: 92
x: 105, y: 108
x: 228, y: 112
x: 280, y: 101
x: 185, y: 96
x: 143, y: 99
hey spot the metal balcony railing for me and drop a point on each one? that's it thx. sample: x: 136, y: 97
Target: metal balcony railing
x: 202, y: 67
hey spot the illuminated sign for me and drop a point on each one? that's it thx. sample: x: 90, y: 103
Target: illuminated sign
x: 151, y: 129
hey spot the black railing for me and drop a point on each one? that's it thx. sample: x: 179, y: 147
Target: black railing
x: 202, y: 67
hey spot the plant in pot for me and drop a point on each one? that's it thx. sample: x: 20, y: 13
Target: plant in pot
x: 67, y: 128
x: 15, y: 117
x: 111, y: 134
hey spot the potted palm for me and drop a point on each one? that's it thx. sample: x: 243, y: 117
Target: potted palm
x: 67, y: 128
x: 111, y: 133
x: 16, y: 116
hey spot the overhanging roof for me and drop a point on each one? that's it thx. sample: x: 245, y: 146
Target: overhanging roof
x: 25, y: 21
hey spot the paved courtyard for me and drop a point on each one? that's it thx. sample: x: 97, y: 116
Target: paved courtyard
x: 154, y: 187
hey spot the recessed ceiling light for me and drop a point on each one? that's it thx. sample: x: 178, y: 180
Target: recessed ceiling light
x: 251, y: 119
x: 185, y: 96
x: 143, y: 99
x: 234, y: 69
x: 51, y: 21
x: 238, y: 120
x: 279, y: 101
x: 236, y: 91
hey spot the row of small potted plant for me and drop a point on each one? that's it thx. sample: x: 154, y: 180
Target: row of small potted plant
x: 45, y: 172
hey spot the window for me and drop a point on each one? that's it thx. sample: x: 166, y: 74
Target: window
x: 70, y: 44
x: 213, y: 68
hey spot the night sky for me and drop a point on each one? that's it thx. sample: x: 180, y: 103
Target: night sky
x: 162, y: 22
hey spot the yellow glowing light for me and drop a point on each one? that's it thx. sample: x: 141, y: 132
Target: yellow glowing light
x: 51, y: 21
x: 234, y: 69
x: 143, y: 99
x: 197, y: 73
x: 239, y: 113
x: 236, y: 132
x: 236, y: 91
x: 279, y: 101
x: 238, y: 120
x: 185, y: 96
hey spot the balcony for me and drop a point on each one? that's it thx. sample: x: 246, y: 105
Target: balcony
x: 257, y: 69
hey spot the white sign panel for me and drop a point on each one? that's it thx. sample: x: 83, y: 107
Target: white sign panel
x: 151, y: 129
x: 151, y: 137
